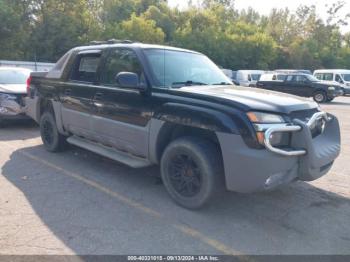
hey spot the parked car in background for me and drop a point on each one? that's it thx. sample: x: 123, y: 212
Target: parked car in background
x: 31, y: 65
x: 291, y: 71
x: 273, y: 76
x: 302, y: 85
x: 248, y: 77
x: 13, y: 88
x: 231, y: 74
x: 145, y: 105
x: 339, y: 76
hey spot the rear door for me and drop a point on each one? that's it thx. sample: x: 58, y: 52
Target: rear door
x: 121, y: 116
x: 282, y: 85
x: 77, y: 93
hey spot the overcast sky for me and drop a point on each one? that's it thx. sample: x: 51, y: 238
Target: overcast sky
x: 265, y: 6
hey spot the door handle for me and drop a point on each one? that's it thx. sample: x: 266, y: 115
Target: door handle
x: 67, y: 92
x: 98, y: 96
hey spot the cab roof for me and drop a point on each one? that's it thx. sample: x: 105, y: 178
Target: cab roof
x: 332, y: 71
x: 134, y: 45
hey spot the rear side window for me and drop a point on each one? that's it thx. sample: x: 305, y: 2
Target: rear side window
x: 120, y: 60
x: 324, y: 76
x: 85, y: 68
x: 300, y: 78
x: 281, y: 77
x: 289, y: 78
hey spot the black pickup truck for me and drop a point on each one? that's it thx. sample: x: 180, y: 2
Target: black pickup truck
x: 145, y: 105
x: 301, y: 84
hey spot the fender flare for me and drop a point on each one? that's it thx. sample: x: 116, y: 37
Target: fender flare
x: 188, y: 116
x: 56, y: 107
x: 196, y: 116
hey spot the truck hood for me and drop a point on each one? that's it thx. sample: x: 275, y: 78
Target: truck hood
x: 248, y: 98
x: 13, y: 89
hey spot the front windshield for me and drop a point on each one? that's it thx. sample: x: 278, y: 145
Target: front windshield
x: 346, y: 77
x: 13, y: 77
x: 312, y: 78
x: 176, y: 68
x: 255, y: 77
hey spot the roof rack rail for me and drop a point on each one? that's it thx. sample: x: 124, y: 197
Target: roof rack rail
x: 110, y: 42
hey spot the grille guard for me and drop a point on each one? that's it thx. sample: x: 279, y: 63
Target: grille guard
x: 292, y: 128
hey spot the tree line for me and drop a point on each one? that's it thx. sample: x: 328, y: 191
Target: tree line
x: 44, y: 30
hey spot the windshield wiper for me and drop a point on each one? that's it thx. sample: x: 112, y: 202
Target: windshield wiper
x: 188, y: 83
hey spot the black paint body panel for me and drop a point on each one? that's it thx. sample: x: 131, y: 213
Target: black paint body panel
x: 215, y: 108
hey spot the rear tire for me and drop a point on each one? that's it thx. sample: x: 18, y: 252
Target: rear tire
x: 191, y: 171
x: 320, y: 96
x: 52, y: 139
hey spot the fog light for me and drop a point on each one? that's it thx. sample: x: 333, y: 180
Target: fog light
x: 280, y: 139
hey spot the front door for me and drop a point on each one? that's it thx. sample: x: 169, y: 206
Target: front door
x: 121, y: 116
x: 298, y: 85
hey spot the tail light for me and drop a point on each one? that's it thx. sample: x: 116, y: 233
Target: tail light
x: 28, y: 85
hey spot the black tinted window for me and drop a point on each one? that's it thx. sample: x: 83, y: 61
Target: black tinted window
x: 300, y: 78
x: 120, y: 60
x: 289, y: 78
x: 85, y: 68
x: 338, y: 79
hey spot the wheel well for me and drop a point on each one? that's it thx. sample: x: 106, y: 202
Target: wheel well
x: 170, y: 132
x: 320, y: 90
x: 46, y: 106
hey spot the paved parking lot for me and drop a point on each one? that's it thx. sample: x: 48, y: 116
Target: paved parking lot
x: 79, y: 203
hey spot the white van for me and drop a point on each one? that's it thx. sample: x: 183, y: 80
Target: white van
x: 340, y: 76
x: 248, y: 77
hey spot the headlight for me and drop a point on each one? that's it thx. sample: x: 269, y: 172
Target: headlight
x: 331, y: 88
x: 262, y: 121
x: 265, y: 118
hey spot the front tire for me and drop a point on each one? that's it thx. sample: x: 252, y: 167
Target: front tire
x: 320, y: 96
x: 52, y: 139
x: 191, y: 171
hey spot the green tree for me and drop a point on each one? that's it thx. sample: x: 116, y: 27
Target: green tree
x: 140, y: 29
x: 60, y: 26
x: 16, y: 17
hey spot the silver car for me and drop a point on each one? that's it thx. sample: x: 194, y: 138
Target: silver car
x: 13, y: 88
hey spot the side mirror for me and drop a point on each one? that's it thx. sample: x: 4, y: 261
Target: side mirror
x: 129, y: 80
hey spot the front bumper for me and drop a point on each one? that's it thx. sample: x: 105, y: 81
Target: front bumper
x: 11, y: 108
x: 249, y: 170
x: 346, y: 91
x: 335, y: 93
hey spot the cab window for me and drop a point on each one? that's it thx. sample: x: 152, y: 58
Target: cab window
x: 120, y: 60
x: 338, y: 79
x: 300, y: 78
x: 289, y: 78
x: 318, y: 76
x: 324, y: 76
x: 85, y: 68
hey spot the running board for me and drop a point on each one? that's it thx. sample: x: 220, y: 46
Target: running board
x: 109, y: 152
